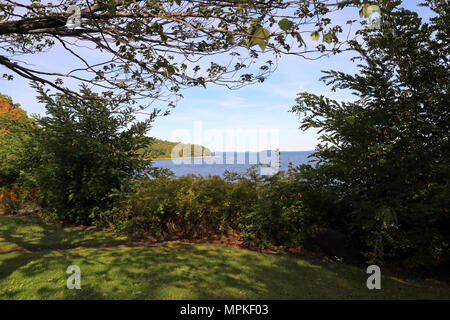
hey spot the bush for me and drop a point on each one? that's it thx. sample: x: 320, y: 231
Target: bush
x: 188, y: 206
x: 11, y: 199
x: 266, y: 211
x: 275, y: 215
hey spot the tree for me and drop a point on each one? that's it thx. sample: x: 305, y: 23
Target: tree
x: 16, y: 185
x: 152, y: 48
x: 87, y: 157
x: 14, y: 124
x: 385, y: 157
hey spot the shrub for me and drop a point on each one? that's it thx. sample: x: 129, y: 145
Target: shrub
x: 188, y: 206
x: 13, y: 198
x: 265, y: 211
x: 276, y: 216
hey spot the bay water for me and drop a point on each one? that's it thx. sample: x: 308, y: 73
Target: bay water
x: 237, y: 162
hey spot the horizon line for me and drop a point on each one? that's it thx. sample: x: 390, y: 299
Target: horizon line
x: 263, y: 151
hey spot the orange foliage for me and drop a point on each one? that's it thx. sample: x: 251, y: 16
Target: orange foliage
x: 13, y: 198
x: 6, y: 110
x: 10, y: 200
x: 9, y: 112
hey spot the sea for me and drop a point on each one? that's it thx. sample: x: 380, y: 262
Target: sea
x: 238, y: 162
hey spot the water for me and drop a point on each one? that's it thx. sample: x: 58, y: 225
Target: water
x: 236, y: 161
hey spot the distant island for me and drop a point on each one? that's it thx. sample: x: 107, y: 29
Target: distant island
x: 162, y: 149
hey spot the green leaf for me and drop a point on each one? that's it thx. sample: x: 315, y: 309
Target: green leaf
x: 285, y: 24
x: 315, y: 36
x: 260, y: 38
x: 361, y: 13
x: 329, y: 37
x: 368, y: 9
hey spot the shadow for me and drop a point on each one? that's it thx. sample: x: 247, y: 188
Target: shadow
x: 27, y: 235
x: 177, y: 270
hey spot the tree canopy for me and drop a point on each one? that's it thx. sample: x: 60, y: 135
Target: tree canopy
x: 385, y: 157
x: 150, y: 49
x: 14, y: 123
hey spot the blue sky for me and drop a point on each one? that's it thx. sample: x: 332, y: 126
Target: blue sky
x: 229, y: 120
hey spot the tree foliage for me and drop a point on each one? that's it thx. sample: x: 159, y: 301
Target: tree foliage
x: 163, y: 149
x: 154, y: 48
x: 384, y: 158
x: 87, y: 156
x: 14, y: 125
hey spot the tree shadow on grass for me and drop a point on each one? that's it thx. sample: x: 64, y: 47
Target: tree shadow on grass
x: 188, y: 271
x: 185, y: 271
x: 31, y: 234
x: 166, y: 271
x: 181, y: 271
x: 35, y: 234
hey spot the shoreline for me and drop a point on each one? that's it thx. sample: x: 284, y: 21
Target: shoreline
x: 184, y: 158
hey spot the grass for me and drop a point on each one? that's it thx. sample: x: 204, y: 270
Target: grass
x: 174, y: 270
x: 18, y: 233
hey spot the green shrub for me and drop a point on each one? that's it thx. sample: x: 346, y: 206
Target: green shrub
x: 266, y: 211
x: 276, y: 216
x: 189, y: 206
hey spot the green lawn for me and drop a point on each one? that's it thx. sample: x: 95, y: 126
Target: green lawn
x: 34, y: 234
x: 173, y: 270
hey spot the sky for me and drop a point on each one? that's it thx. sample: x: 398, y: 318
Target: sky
x: 252, y: 118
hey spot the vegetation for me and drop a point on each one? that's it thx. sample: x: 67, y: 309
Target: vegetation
x: 175, y: 270
x: 163, y: 149
x: 15, y: 181
x: 382, y: 174
x: 151, y: 49
x: 190, y: 207
x: 83, y: 159
x: 264, y: 211
x: 380, y: 185
x: 12, y: 118
x: 384, y: 158
x: 34, y: 234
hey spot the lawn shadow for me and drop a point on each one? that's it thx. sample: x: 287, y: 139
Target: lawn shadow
x: 173, y: 270
x: 27, y: 235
